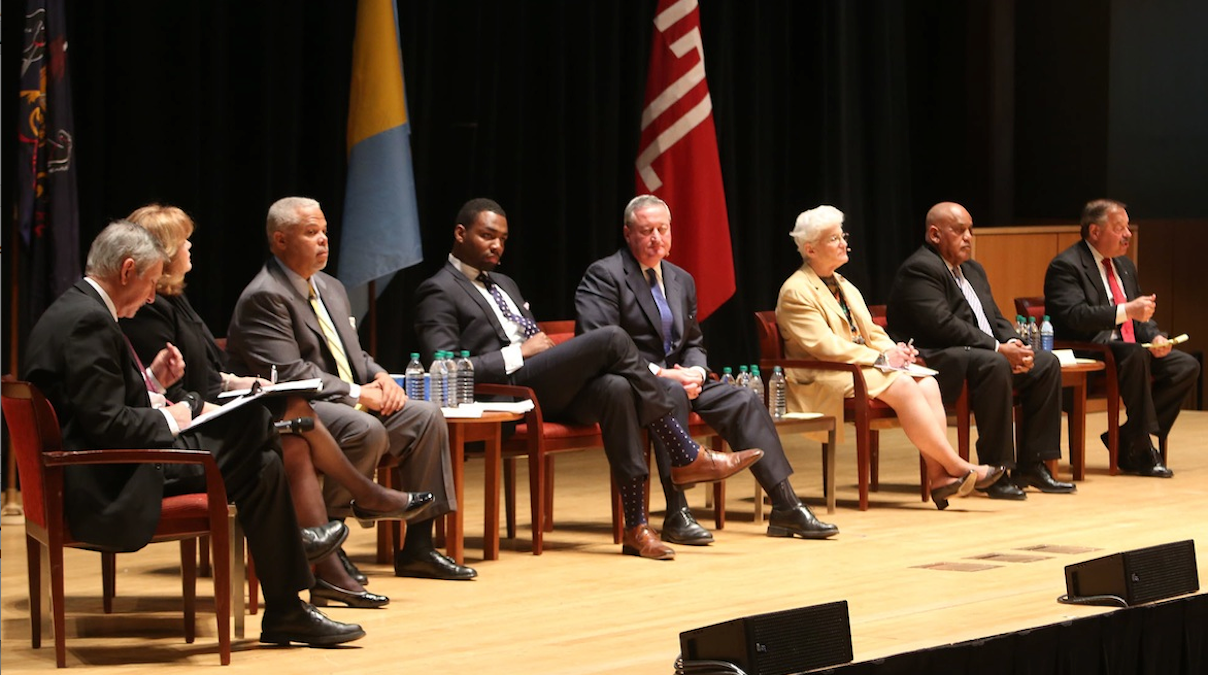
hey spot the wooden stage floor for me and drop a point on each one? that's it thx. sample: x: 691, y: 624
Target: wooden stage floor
x: 914, y: 577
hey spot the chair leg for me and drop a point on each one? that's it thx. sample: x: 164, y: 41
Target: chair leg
x: 253, y: 586
x: 537, y: 499
x: 237, y: 570
x: 108, y: 581
x: 717, y: 444
x: 874, y: 458
x: 924, y: 480
x: 58, y: 602
x: 548, y: 489
x: 203, y: 555
x: 385, y: 544
x: 33, y: 564
x: 509, y: 495
x: 863, y: 461
x: 188, y: 586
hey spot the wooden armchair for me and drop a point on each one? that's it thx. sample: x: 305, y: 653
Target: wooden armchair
x: 867, y: 414
x: 37, y: 443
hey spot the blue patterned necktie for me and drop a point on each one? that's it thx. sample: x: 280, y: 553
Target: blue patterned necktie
x: 664, y: 308
x: 527, y: 325
x: 978, y: 311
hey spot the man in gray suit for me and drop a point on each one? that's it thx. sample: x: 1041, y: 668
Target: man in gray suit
x: 654, y: 302
x: 294, y: 317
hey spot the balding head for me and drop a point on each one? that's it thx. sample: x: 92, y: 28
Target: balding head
x: 950, y: 231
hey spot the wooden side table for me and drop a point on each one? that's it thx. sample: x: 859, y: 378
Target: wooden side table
x: 1074, y: 377
x: 462, y: 430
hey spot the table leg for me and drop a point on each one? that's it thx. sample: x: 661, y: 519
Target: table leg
x: 490, y: 525
x: 455, y: 529
x: 1078, y: 428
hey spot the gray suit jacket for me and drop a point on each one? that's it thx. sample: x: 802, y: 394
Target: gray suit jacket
x: 274, y: 324
x: 613, y: 292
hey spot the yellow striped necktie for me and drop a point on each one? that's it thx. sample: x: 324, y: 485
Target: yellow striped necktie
x: 333, y: 338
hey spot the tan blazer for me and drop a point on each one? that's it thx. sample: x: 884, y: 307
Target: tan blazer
x: 813, y: 326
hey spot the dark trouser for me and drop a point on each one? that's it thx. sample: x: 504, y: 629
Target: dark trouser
x: 740, y: 418
x: 990, y: 392
x: 248, y: 452
x: 1152, y: 390
x: 600, y: 377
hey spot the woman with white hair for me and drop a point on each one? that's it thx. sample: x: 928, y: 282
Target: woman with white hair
x: 823, y: 317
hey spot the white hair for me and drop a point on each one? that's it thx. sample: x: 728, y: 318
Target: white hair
x: 810, y: 224
x: 283, y: 214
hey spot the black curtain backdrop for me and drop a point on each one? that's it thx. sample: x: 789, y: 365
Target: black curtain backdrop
x: 880, y: 108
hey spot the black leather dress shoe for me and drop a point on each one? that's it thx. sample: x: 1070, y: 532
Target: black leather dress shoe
x: 303, y: 623
x: 1037, y: 475
x: 1144, y: 463
x: 681, y: 528
x: 1003, y: 488
x: 322, y: 593
x: 410, y: 512
x: 430, y: 564
x: 320, y: 541
x: 799, y: 521
x: 350, y: 568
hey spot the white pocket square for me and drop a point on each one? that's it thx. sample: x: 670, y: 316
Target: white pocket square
x: 352, y: 321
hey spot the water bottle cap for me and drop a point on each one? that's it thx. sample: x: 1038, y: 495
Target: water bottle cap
x: 775, y: 369
x: 727, y: 369
x: 1046, y: 317
x: 465, y: 353
x: 742, y: 369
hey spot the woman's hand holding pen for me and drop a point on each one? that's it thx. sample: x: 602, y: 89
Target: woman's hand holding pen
x: 902, y: 354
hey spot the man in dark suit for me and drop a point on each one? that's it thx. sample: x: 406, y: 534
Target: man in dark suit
x: 595, y: 377
x: 654, y: 302
x: 102, y: 396
x: 942, y: 300
x: 1092, y: 294
x: 294, y: 317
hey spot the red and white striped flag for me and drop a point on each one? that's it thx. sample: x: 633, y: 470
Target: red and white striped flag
x: 678, y: 159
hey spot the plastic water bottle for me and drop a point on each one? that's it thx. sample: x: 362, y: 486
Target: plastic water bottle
x: 1046, y: 334
x: 413, y: 378
x: 1033, y: 333
x: 756, y: 384
x: 727, y: 375
x: 777, y: 394
x: 744, y: 377
x: 452, y: 382
x: 1021, y: 329
x: 438, y: 377
x: 465, y: 378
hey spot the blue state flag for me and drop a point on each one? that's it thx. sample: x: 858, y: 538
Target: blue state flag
x: 380, y: 233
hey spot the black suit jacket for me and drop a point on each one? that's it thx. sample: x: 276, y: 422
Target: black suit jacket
x: 1078, y: 303
x: 614, y: 292
x: 452, y: 315
x: 79, y: 359
x: 926, y: 304
x: 172, y: 319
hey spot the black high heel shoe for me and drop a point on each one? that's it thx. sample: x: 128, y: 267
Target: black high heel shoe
x: 418, y: 501
x: 960, y: 487
x: 323, y: 592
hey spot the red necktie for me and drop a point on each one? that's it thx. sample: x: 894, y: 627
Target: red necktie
x: 1126, y: 328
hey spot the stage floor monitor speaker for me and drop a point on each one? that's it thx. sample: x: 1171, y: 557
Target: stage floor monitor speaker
x: 1137, y: 577
x: 777, y: 643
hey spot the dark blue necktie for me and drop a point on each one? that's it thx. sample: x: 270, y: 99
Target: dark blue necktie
x: 526, y: 324
x: 664, y: 308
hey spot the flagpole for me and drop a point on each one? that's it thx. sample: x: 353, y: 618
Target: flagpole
x: 12, y: 498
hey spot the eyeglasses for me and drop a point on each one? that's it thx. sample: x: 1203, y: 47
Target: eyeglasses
x: 835, y: 238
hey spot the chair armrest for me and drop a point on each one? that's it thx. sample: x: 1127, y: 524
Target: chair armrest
x: 127, y: 456
x: 861, y: 388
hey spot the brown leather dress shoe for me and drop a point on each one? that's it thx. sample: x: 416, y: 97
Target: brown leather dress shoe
x: 642, y: 541
x: 710, y: 467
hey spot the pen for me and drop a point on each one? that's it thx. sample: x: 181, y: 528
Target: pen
x: 272, y: 374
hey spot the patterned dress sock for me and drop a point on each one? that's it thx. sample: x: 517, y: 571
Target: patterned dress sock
x: 680, y: 446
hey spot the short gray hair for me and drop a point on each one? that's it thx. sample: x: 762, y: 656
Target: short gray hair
x: 811, y: 223
x: 120, y: 240
x: 283, y: 214
x: 641, y: 202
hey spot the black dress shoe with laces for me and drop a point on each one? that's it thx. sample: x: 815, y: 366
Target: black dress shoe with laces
x: 681, y: 528
x: 1037, y: 475
x: 799, y: 521
x: 1144, y: 463
x: 350, y: 568
x: 320, y: 541
x: 430, y: 564
x: 1003, y: 488
x: 303, y: 623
